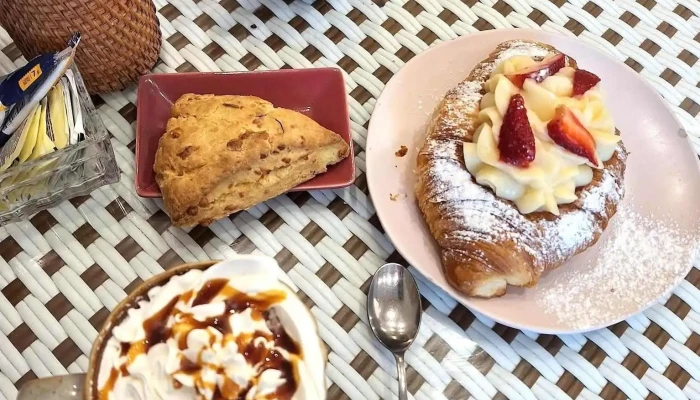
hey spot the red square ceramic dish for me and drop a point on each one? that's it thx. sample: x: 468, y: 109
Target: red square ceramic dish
x: 319, y: 93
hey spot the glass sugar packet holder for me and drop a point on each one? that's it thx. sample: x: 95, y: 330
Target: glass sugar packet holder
x: 75, y: 170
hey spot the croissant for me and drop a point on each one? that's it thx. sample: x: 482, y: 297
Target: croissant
x: 486, y: 243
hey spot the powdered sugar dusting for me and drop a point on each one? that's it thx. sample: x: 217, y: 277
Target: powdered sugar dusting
x: 573, y: 229
x: 565, y: 236
x: 521, y: 48
x: 577, y: 229
x: 459, y: 102
x: 464, y: 201
x: 514, y: 48
x: 592, y: 200
x: 642, y: 257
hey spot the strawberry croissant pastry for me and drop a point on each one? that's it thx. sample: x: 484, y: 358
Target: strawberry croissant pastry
x: 522, y: 168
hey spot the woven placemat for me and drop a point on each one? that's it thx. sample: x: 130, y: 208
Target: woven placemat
x: 65, y: 268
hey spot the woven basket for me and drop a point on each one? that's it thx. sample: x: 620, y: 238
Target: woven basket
x: 120, y: 38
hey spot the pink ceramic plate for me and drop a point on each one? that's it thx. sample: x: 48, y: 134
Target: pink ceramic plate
x: 642, y: 255
x: 319, y: 93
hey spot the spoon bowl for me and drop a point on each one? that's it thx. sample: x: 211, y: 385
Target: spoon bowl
x: 394, y: 311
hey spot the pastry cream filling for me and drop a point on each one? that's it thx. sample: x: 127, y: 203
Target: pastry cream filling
x: 555, y: 173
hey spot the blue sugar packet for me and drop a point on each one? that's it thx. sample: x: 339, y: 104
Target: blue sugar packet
x: 23, y: 89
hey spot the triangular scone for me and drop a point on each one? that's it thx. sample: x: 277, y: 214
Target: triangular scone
x: 223, y: 154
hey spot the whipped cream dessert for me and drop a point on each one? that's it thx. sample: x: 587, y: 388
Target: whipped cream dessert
x: 213, y: 336
x: 543, y: 127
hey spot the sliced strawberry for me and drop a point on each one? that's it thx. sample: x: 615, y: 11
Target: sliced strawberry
x: 539, y: 71
x: 584, y: 80
x: 516, y: 142
x: 566, y: 131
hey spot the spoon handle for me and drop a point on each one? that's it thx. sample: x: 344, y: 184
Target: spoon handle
x: 401, y: 367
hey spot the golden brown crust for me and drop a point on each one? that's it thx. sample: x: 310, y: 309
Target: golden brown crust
x: 486, y: 244
x: 222, y: 154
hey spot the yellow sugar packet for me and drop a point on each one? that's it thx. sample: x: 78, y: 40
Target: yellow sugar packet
x: 57, y: 116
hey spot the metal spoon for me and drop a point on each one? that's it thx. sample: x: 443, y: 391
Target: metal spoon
x: 394, y: 310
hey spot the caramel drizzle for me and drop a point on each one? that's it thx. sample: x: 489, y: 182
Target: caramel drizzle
x: 157, y: 331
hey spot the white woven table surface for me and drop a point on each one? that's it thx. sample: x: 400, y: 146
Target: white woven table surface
x: 65, y: 268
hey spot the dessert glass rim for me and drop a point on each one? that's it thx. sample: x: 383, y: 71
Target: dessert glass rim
x: 119, y: 312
